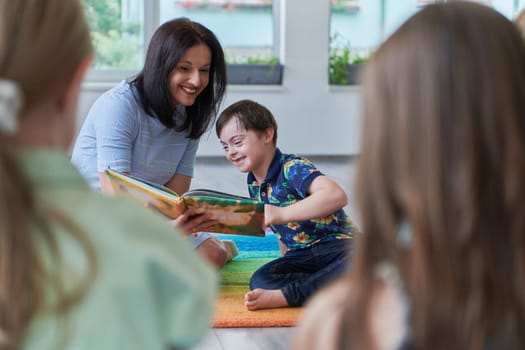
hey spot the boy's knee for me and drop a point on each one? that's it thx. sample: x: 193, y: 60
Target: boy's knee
x: 257, y: 281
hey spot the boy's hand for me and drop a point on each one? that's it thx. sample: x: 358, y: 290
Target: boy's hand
x: 324, y: 198
x: 272, y: 215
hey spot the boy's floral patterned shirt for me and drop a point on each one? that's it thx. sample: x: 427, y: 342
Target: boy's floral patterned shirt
x: 286, y: 183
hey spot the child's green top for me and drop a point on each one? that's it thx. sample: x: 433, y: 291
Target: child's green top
x: 152, y: 291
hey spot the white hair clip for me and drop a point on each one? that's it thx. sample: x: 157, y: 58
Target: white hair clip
x: 10, y: 104
x: 404, y: 235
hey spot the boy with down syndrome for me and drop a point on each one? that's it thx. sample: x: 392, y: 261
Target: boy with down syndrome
x: 303, y: 207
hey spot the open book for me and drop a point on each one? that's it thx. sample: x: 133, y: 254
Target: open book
x: 235, y: 214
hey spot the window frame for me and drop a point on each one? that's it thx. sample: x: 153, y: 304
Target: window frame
x: 151, y: 23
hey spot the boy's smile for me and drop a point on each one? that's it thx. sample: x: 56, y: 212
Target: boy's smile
x: 248, y: 150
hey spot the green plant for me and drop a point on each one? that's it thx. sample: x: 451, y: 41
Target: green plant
x: 344, y: 5
x: 341, y: 70
x: 339, y: 60
x: 117, y: 42
x: 262, y: 60
x: 358, y: 59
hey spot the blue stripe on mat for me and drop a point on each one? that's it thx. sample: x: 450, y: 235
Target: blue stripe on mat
x: 255, y: 247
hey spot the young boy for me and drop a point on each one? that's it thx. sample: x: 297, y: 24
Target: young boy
x: 303, y: 208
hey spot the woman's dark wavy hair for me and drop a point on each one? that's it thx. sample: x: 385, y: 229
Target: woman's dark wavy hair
x: 168, y: 44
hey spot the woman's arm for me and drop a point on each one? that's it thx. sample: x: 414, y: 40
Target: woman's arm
x: 114, y: 117
x: 179, y: 183
x: 282, y: 247
x: 325, y: 197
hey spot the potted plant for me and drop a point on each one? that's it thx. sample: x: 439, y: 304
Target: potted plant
x: 355, y: 67
x: 255, y: 70
x: 338, y: 62
x: 344, y: 68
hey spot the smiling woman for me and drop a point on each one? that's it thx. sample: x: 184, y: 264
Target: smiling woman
x: 191, y: 75
x: 150, y: 126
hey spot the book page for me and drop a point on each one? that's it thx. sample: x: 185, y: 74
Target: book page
x: 212, y: 193
x: 235, y: 216
x: 149, y: 194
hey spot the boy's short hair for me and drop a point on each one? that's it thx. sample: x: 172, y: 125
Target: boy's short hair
x: 251, y: 115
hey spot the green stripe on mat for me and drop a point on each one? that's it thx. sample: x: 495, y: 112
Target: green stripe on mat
x: 238, y: 272
x: 231, y: 312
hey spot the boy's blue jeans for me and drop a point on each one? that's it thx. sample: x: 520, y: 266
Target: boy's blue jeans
x: 300, y: 273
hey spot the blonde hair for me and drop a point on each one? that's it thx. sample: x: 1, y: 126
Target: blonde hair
x: 443, y: 153
x: 42, y: 43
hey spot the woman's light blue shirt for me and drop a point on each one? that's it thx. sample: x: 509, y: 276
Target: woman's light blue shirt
x: 119, y: 134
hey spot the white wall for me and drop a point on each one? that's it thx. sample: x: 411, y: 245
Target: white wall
x: 314, y: 118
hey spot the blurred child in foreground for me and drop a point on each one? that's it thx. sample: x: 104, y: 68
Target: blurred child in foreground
x: 77, y: 270
x: 440, y: 188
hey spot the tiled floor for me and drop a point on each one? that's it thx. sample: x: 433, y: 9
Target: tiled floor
x: 218, y: 174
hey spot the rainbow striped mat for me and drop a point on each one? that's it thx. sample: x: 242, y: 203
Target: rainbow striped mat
x: 235, y: 276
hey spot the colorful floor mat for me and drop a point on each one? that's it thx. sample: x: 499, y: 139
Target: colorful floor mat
x: 235, y: 276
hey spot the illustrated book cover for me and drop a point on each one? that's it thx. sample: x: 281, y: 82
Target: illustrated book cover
x: 235, y: 214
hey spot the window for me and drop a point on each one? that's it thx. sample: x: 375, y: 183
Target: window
x: 426, y: 2
x: 358, y: 27
x: 117, y: 33
x: 121, y: 28
x: 344, y: 5
x: 509, y: 8
x: 245, y: 28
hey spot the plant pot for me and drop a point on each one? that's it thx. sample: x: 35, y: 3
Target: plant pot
x: 248, y: 74
x: 354, y: 73
x: 346, y: 75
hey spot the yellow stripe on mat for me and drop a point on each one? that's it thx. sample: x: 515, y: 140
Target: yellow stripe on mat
x: 231, y: 313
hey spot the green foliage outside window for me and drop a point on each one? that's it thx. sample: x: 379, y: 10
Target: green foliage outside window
x: 339, y: 60
x: 341, y: 57
x: 254, y: 59
x: 117, y: 41
x: 344, y: 5
x: 262, y: 60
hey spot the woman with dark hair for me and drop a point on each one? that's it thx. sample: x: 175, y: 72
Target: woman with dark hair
x: 440, y: 263
x: 150, y: 126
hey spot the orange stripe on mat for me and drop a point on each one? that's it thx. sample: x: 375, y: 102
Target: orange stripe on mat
x: 230, y: 312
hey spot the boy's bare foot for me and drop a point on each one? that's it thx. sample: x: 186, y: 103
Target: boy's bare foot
x: 264, y: 299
